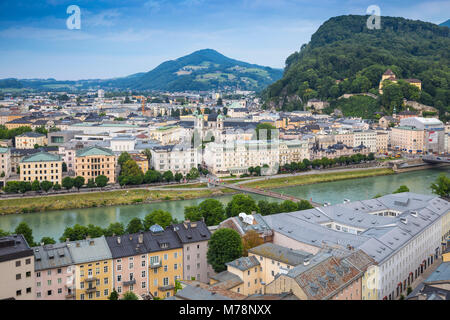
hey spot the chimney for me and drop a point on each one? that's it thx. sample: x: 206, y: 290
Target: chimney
x: 193, y: 224
x: 141, y: 238
x: 306, y: 262
x: 185, y: 223
x: 91, y: 243
x: 78, y: 244
x: 131, y: 237
x: 118, y: 240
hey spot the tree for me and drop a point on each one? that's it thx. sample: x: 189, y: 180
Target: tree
x: 264, y: 131
x: 3, y: 233
x: 47, y: 240
x: 46, y: 185
x: 168, y: 176
x: 78, y: 182
x: 67, y: 183
x: 152, y: 176
x: 116, y: 228
x: 77, y: 232
x: 178, y: 177
x: 24, y: 186
x: 134, y: 226
x: 304, y: 205
x: 250, y: 240
x: 193, y: 174
x: 27, y: 233
x: 441, y: 186
x: 212, y: 211
x: 95, y: 231
x: 129, y: 295
x: 91, y: 183
x: 101, y: 181
x: 192, y: 213
x: 161, y: 217
x: 56, y: 187
x: 288, y: 206
x: 12, y: 187
x: 241, y: 203
x: 124, y: 157
x: 148, y: 154
x: 224, y: 246
x: 114, y: 295
x: 401, y: 189
x: 35, y: 186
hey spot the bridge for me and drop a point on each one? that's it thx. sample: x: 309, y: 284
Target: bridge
x: 436, y: 159
x: 262, y: 192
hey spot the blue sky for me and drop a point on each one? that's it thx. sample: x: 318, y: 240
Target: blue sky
x: 118, y: 38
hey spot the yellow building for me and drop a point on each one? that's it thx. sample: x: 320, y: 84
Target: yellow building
x: 93, y: 268
x: 390, y: 75
x: 165, y: 261
x: 41, y: 166
x: 17, y: 123
x: 141, y: 161
x: 95, y: 161
x: 29, y: 139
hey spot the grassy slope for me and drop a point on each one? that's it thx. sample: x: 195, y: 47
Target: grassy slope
x: 315, y: 178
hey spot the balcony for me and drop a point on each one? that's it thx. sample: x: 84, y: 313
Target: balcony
x: 90, y: 279
x: 129, y: 283
x: 91, y: 289
x: 166, y: 288
x: 155, y: 265
x: 70, y: 295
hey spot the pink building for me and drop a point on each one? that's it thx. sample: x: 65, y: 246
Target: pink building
x: 54, y: 273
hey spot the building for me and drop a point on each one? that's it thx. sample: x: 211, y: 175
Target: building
x: 58, y: 138
x: 194, y: 237
x: 141, y: 161
x: 432, y: 129
x: 28, y: 140
x: 122, y: 143
x: 408, y: 139
x: 176, y: 158
x: 435, y: 287
x: 382, y: 141
x: 130, y: 263
x: 16, y: 268
x: 41, y: 166
x: 54, y: 272
x: 293, y: 151
x: 93, y: 268
x: 390, y: 76
x: 5, y: 161
x: 17, y: 123
x: 91, y: 162
x: 165, y: 260
x: 245, y: 223
x: 367, y: 138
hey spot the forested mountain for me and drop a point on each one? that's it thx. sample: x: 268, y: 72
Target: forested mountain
x: 202, y: 70
x: 344, y: 56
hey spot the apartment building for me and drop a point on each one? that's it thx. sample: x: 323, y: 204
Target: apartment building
x: 16, y: 268
x: 293, y: 151
x: 382, y: 141
x: 28, y: 140
x: 236, y: 157
x: 167, y: 135
x: 433, y: 131
x: 367, y: 138
x: 176, y: 158
x: 54, y: 272
x: 194, y: 237
x: 122, y: 143
x: 93, y: 266
x: 41, y: 166
x: 17, y: 123
x: 141, y: 161
x: 165, y: 260
x: 93, y: 161
x: 130, y: 263
x: 5, y: 162
x: 408, y: 138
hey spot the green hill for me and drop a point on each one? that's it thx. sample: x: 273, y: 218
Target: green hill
x: 344, y: 56
x: 202, y: 70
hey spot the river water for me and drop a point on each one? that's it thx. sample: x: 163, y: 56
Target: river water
x: 53, y: 223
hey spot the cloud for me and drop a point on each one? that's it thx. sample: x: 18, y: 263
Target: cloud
x: 106, y: 18
x: 34, y: 33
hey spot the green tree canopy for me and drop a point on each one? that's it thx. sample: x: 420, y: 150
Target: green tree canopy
x: 101, y: 181
x: 161, y: 217
x: 78, y: 182
x: 134, y: 226
x: 68, y: 183
x: 47, y: 240
x: 24, y: 229
x: 441, y: 186
x: 241, y: 203
x: 401, y: 189
x: 115, y: 228
x: 224, y: 246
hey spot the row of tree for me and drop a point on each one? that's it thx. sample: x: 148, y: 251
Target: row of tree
x: 67, y: 183
x: 325, y: 162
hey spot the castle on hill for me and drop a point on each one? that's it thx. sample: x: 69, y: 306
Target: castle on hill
x: 390, y: 75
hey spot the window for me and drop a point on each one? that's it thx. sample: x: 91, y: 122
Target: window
x: 155, y: 282
x: 119, y: 278
x: 105, y: 269
x: 18, y: 276
x: 27, y: 261
x: 165, y: 268
x: 106, y: 292
x: 119, y: 267
x: 143, y: 284
x: 82, y: 285
x: 38, y: 295
x: 38, y: 284
x: 59, y: 280
x: 49, y: 292
x: 175, y: 255
x: 49, y: 272
x: 38, y: 274
x: 59, y: 270
x: 82, y: 296
x: 166, y: 256
x: 18, y: 264
x: 131, y: 265
x: 175, y: 266
x: 143, y: 263
x: 143, y: 274
x: 59, y: 290
x: 49, y: 282
x: 166, y: 281
x: 119, y: 289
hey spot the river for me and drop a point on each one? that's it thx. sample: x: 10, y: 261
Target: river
x: 53, y: 223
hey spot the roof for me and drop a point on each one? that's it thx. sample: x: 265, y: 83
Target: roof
x: 197, y: 293
x: 388, y: 72
x: 280, y: 253
x: 89, y: 250
x: 127, y: 245
x: 32, y: 134
x: 41, y: 157
x: 4, y: 150
x: 51, y: 256
x: 441, y: 274
x: 226, y: 280
x: 94, y: 151
x: 14, y: 247
x: 189, y: 232
x: 244, y: 263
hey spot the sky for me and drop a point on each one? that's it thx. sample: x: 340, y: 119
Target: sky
x: 118, y: 38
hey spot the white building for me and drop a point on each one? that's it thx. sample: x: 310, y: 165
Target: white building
x: 176, y: 158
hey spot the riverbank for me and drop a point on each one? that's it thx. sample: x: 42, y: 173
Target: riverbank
x: 316, y: 178
x: 102, y: 199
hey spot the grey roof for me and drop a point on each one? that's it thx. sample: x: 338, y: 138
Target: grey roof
x: 192, y: 231
x: 126, y: 245
x: 441, y: 274
x: 51, y: 256
x: 244, y: 263
x: 280, y: 253
x: 198, y: 293
x: 159, y: 241
x: 89, y: 250
x: 32, y: 134
x: 14, y: 247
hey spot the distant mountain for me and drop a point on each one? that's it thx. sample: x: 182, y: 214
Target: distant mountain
x: 446, y: 23
x: 344, y: 56
x: 202, y: 70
